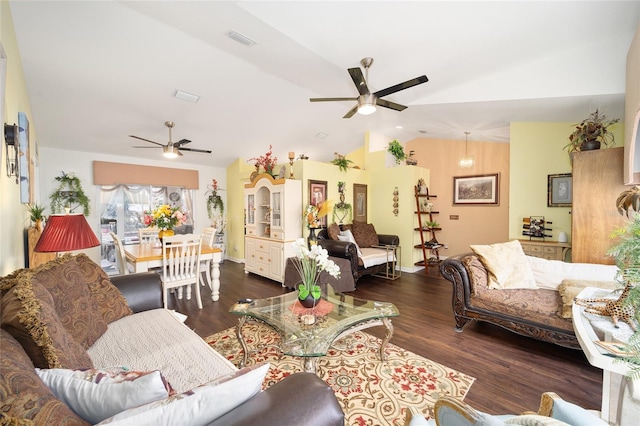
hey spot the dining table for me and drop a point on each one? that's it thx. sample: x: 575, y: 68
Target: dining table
x: 143, y: 257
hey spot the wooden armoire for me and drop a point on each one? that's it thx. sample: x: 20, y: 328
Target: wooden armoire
x: 597, y: 182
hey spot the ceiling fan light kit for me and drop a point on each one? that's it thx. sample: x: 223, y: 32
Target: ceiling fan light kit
x: 171, y: 150
x: 367, y: 101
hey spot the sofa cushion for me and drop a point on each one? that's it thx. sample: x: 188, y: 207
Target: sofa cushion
x: 157, y: 340
x: 507, y: 265
x: 109, y: 299
x: 550, y: 273
x: 569, y: 289
x: 200, y: 405
x: 333, y: 231
x: 98, y: 394
x: 478, y: 275
x: 365, y: 234
x: 24, y: 395
x: 77, y: 311
x: 28, y: 313
x: 347, y: 235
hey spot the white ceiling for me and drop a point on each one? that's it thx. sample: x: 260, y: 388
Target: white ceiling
x: 97, y: 71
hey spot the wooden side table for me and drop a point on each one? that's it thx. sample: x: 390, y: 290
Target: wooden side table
x: 620, y: 394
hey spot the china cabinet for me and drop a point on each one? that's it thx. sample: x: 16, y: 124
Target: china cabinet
x: 273, y: 211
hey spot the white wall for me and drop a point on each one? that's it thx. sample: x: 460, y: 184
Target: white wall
x: 53, y: 161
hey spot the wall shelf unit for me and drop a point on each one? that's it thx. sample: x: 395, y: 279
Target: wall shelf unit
x: 429, y: 244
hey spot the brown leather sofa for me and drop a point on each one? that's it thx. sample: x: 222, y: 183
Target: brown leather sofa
x: 347, y: 250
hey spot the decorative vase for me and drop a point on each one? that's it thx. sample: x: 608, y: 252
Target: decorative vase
x: 309, y: 301
x: 312, y: 239
x: 165, y: 233
x: 38, y: 225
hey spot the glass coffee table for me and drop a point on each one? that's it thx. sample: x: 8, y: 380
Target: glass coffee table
x: 309, y: 332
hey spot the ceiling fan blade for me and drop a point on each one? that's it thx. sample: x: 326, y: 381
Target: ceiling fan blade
x: 398, y: 87
x: 194, y: 150
x: 351, y: 112
x: 391, y: 105
x: 359, y: 81
x: 138, y: 146
x: 332, y: 99
x: 146, y: 140
x: 181, y: 142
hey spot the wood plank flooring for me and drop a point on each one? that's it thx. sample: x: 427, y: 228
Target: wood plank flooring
x: 511, y: 371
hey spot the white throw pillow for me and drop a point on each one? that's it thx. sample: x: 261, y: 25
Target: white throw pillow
x: 550, y: 273
x: 199, y: 406
x: 507, y: 265
x: 348, y: 236
x: 96, y: 395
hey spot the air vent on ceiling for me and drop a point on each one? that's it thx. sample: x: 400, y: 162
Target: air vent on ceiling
x: 189, y: 97
x: 240, y: 38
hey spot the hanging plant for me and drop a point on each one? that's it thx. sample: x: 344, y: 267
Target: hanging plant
x: 342, y: 211
x: 214, y: 201
x: 341, y: 161
x: 69, y: 195
x: 396, y: 149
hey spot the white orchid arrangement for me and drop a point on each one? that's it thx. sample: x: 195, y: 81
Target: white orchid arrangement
x: 309, y: 264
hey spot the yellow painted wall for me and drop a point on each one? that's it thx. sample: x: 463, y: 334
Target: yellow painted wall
x: 538, y: 150
x: 13, y: 214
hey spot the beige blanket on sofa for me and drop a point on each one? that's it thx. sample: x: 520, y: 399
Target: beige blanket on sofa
x: 157, y: 340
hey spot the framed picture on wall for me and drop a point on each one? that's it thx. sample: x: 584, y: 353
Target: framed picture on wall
x: 317, y: 195
x: 360, y: 202
x: 478, y: 189
x: 559, y: 190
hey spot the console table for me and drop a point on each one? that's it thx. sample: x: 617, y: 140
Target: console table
x: 620, y: 394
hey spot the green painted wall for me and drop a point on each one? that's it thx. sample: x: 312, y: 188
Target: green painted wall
x: 537, y: 149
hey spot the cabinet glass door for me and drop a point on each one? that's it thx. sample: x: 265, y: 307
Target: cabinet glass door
x: 276, y: 212
x: 251, y: 209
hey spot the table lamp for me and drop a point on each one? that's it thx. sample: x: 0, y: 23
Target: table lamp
x: 66, y: 232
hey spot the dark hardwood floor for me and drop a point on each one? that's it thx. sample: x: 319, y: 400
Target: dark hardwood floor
x: 511, y: 371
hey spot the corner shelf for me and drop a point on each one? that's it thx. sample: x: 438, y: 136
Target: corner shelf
x: 430, y: 248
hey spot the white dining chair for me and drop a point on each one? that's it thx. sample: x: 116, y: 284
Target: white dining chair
x: 121, y: 258
x: 181, y: 265
x: 148, y: 235
x: 208, y: 237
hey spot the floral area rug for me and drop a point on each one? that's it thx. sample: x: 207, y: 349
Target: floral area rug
x: 370, y: 392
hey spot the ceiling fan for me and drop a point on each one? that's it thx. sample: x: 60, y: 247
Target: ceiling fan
x: 367, y: 101
x: 171, y: 149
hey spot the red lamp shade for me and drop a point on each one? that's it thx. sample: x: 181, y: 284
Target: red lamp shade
x: 66, y: 232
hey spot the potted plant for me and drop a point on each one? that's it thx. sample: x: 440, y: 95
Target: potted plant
x: 341, y: 161
x: 68, y: 194
x: 214, y: 201
x: 591, y: 133
x: 309, y: 262
x: 396, y: 149
x: 36, y: 215
x: 627, y: 256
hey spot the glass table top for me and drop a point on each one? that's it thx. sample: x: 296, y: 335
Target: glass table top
x: 310, y: 332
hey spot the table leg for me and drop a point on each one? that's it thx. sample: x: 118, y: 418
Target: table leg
x: 389, y: 326
x: 309, y: 364
x: 215, y: 279
x: 245, y: 349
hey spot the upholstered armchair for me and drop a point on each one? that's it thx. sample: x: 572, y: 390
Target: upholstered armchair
x: 553, y: 410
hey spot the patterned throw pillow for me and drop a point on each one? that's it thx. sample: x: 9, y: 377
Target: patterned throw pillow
x: 365, y: 234
x: 110, y: 301
x: 29, y: 315
x: 507, y: 265
x: 24, y: 395
x: 569, y: 289
x: 333, y: 231
x: 77, y: 310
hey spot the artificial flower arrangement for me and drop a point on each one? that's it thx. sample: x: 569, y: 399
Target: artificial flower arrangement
x: 165, y: 217
x: 313, y: 214
x: 214, y: 201
x: 309, y: 264
x: 267, y: 161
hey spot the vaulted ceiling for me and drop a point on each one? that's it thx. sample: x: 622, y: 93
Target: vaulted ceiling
x: 98, y: 71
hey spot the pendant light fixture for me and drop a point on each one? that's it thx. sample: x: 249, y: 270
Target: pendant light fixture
x: 466, y: 162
